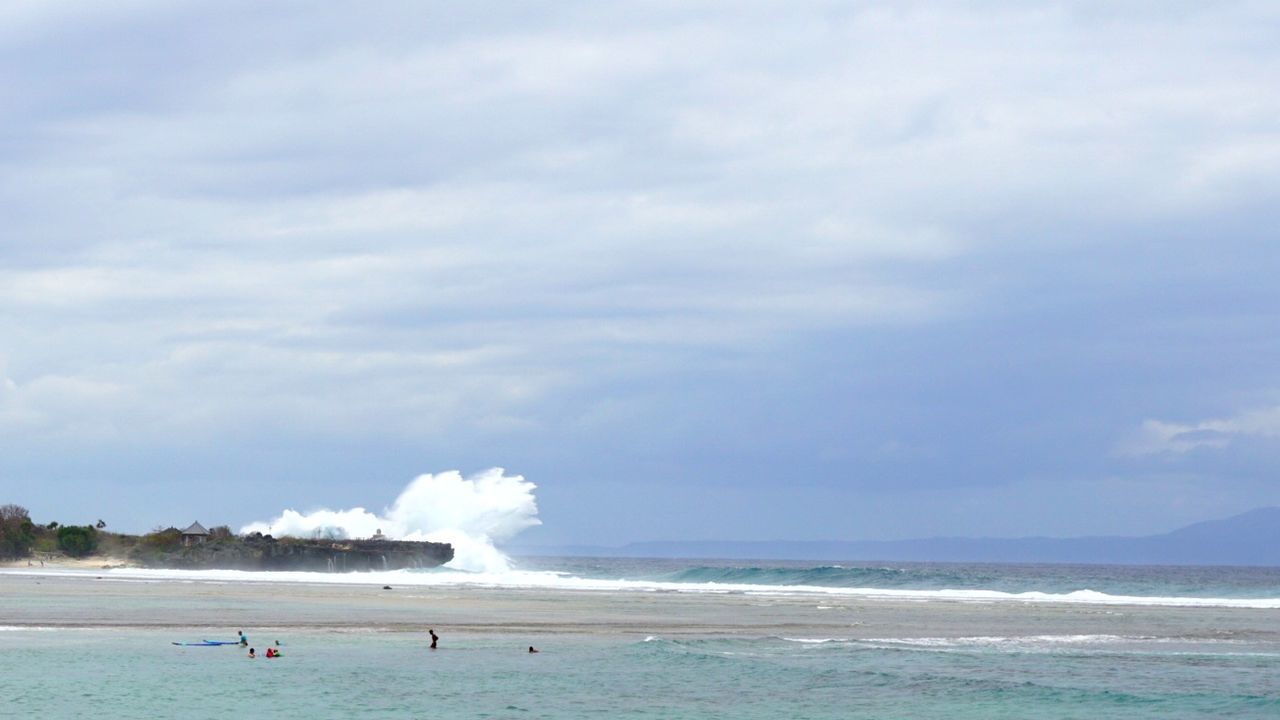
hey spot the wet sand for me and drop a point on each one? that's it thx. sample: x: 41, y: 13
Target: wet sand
x: 86, y: 599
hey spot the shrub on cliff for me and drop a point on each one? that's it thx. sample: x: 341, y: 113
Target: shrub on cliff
x: 166, y: 539
x: 115, y: 544
x: 77, y: 540
x: 151, y: 549
x: 16, y: 531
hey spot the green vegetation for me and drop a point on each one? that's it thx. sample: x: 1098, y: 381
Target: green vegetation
x: 161, y: 539
x: 115, y: 544
x: 77, y: 540
x: 17, y: 532
x: 222, y: 548
x: 153, y: 546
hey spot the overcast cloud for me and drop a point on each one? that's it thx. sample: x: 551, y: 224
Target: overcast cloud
x: 747, y: 271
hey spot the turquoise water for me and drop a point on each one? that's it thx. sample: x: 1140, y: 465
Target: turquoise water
x: 119, y: 673
x: 1161, y: 581
x: 100, y: 644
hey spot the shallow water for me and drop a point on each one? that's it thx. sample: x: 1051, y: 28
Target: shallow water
x: 76, y: 644
x: 332, y: 674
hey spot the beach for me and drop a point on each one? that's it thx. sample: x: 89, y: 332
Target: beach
x: 62, y: 562
x: 353, y: 648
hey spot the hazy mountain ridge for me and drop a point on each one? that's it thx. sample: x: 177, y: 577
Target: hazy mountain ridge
x: 1251, y: 538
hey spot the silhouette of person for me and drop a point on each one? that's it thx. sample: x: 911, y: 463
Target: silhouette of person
x: 532, y: 649
x: 434, y: 638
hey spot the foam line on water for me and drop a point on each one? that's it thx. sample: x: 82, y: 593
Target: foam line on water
x: 1058, y: 643
x: 546, y: 580
x: 1013, y: 640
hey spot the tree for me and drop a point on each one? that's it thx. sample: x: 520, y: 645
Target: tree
x: 16, y: 533
x: 77, y: 540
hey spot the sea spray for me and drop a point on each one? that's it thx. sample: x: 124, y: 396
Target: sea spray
x: 470, y: 513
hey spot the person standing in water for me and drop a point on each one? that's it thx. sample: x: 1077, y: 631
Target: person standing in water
x: 244, y: 641
x: 434, y: 638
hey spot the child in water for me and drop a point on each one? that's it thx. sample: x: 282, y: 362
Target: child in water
x: 251, y: 655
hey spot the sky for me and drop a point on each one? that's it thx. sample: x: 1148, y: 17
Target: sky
x: 849, y: 270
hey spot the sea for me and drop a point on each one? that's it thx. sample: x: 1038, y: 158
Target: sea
x: 647, y: 638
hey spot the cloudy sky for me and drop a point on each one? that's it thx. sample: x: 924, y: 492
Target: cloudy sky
x: 749, y: 270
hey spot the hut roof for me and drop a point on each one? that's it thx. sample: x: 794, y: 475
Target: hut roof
x: 195, y: 529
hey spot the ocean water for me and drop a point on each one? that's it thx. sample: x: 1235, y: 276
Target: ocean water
x: 650, y: 638
x: 1254, y: 586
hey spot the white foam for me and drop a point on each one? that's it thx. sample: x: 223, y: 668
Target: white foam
x: 534, y: 580
x: 1059, y: 643
x: 469, y: 513
x: 1011, y: 641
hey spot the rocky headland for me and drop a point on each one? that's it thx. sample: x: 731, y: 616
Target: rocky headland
x: 23, y: 541
x: 264, y: 552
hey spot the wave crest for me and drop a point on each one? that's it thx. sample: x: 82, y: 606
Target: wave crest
x: 469, y: 513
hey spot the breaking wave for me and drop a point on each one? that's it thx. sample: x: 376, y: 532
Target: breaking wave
x: 469, y: 513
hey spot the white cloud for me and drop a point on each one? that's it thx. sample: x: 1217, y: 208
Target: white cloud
x: 63, y: 406
x: 426, y: 220
x: 1156, y: 437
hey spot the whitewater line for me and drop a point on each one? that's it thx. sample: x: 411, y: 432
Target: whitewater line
x: 551, y: 581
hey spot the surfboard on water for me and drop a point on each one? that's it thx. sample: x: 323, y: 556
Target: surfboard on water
x: 221, y: 642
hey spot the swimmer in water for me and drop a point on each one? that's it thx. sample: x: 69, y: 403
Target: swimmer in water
x: 251, y: 655
x: 532, y: 649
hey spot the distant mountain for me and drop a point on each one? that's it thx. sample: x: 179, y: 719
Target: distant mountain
x: 1252, y: 538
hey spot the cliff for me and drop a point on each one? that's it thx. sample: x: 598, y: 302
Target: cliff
x: 263, y: 552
